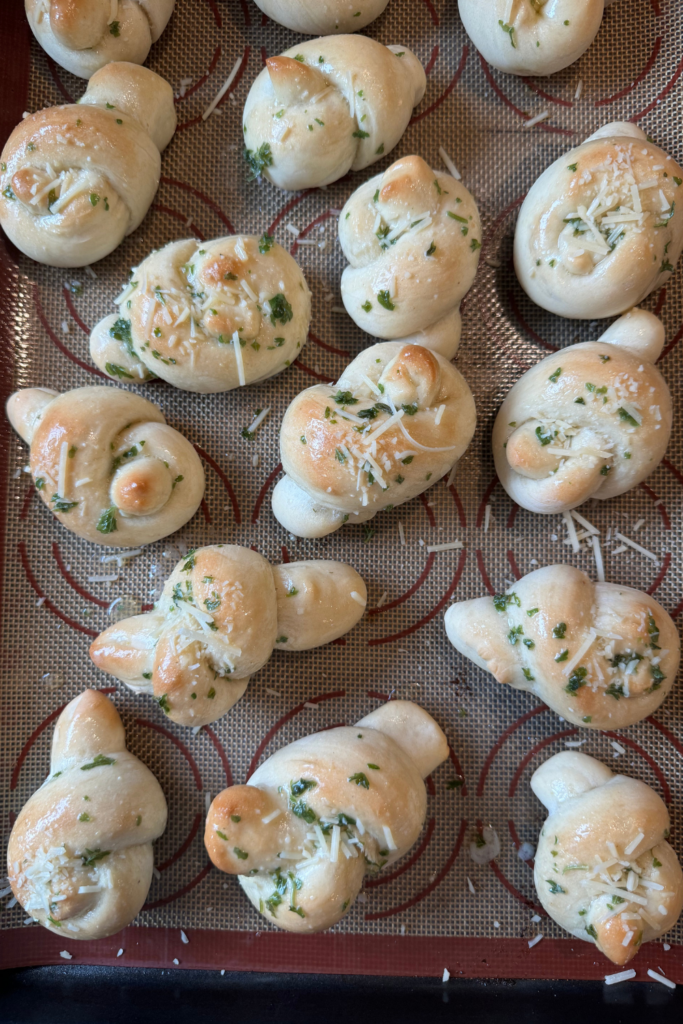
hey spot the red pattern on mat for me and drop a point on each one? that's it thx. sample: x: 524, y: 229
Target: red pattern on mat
x: 430, y: 615
x: 47, y: 603
x: 423, y: 893
x: 224, y: 480
x: 394, y: 955
x: 283, y: 721
x: 373, y: 883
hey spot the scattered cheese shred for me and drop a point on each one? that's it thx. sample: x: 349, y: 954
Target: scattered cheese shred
x: 238, y: 359
x: 615, y: 979
x: 222, y: 91
x: 571, y: 531
x: 452, y: 169
x: 656, y: 977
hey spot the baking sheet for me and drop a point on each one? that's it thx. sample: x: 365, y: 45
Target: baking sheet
x: 422, y: 916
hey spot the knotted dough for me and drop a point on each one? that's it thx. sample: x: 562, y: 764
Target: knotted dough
x: 84, y: 35
x: 76, y: 179
x: 412, y: 237
x: 601, y: 655
x: 328, y: 106
x: 395, y: 422
x: 107, y: 464
x: 602, y: 227
x: 603, y: 868
x: 531, y: 37
x: 590, y: 421
x: 323, y: 812
x: 207, y: 317
x: 223, y: 611
x: 79, y: 858
x: 320, y: 17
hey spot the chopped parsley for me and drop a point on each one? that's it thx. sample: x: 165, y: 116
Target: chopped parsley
x: 97, y: 762
x: 576, y: 680
x: 510, y: 29
x: 555, y: 375
x: 257, y: 160
x: 554, y: 887
x: 265, y: 243
x: 502, y: 601
x: 544, y: 436
x: 240, y: 854
x: 164, y: 703
x: 114, y: 370
x: 360, y: 779
x: 384, y: 299
x: 560, y: 630
x: 627, y: 418
x: 61, y: 504
x: 107, y: 521
x: 90, y: 857
x: 344, y: 398
x: 280, y: 309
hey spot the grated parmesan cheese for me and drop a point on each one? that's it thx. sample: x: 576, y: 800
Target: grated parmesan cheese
x: 660, y: 978
x: 615, y: 979
x: 222, y: 91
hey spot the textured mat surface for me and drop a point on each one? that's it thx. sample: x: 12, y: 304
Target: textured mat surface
x: 498, y: 737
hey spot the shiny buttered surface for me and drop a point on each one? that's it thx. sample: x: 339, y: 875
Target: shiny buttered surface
x: 207, y: 317
x: 599, y: 654
x: 322, y: 17
x: 396, y: 421
x: 223, y: 611
x: 76, y: 179
x: 106, y: 463
x: 329, y: 106
x: 599, y: 230
x: 79, y: 858
x: 591, y: 421
x: 84, y: 35
x: 323, y: 812
x: 531, y: 37
x: 412, y: 238
x: 603, y: 868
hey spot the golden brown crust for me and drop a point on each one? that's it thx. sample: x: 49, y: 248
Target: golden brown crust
x: 603, y: 869
x: 223, y: 611
x: 605, y: 405
x: 323, y: 810
x: 90, y: 826
x: 107, y: 465
x: 327, y: 445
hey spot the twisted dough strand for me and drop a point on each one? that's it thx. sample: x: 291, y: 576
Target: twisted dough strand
x: 602, y: 227
x: 603, y: 868
x: 84, y: 35
x: 106, y: 463
x: 600, y: 655
x: 397, y: 419
x: 591, y: 421
x: 207, y: 318
x: 412, y: 237
x: 531, y: 37
x: 328, y: 106
x: 223, y: 611
x: 314, y: 19
x: 322, y: 812
x: 76, y: 179
x: 80, y: 853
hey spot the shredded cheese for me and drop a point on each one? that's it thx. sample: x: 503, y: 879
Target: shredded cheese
x: 238, y: 359
x: 222, y: 91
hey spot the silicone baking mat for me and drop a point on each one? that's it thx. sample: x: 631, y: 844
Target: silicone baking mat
x: 436, y: 908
